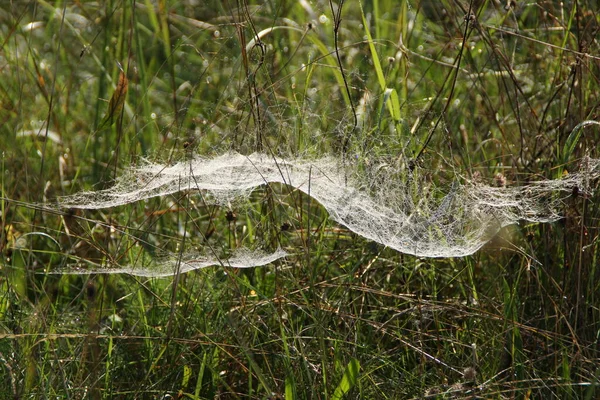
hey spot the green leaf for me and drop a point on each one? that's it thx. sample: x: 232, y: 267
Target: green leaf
x: 348, y: 380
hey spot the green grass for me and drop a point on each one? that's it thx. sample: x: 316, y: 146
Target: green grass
x: 509, y: 91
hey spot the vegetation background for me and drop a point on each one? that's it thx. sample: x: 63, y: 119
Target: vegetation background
x: 496, y: 90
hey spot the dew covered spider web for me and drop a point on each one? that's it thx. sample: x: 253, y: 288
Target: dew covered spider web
x: 169, y: 264
x: 402, y: 210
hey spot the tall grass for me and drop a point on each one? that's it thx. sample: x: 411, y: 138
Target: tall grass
x: 495, y: 91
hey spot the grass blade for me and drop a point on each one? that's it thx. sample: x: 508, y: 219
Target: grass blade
x: 390, y: 93
x: 348, y: 380
x: 573, y: 139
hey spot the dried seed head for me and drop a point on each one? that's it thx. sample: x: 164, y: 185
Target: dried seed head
x: 500, y: 180
x: 470, y: 374
x: 230, y: 216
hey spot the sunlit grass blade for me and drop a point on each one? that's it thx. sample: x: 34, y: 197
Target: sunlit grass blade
x: 117, y: 100
x: 390, y: 93
x: 349, y: 380
x: 573, y: 139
